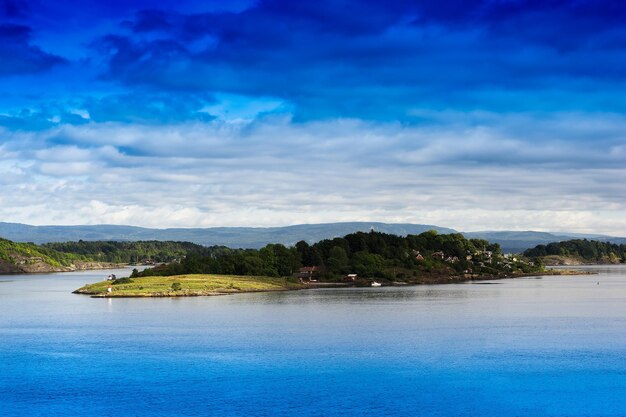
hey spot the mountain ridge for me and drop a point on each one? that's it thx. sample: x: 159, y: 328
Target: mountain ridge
x: 256, y: 237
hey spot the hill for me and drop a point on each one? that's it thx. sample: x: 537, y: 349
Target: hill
x: 234, y: 237
x: 519, y: 241
x: 425, y: 258
x: 27, y: 257
x: 257, y: 237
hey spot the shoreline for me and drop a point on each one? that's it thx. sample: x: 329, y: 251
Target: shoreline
x: 84, y: 266
x: 98, y: 290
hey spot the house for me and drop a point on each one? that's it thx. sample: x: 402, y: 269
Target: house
x: 452, y: 259
x: 307, y: 272
x: 439, y: 255
x: 418, y: 256
x: 351, y: 277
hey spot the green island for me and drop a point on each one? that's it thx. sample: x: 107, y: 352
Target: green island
x: 357, y: 259
x: 187, y: 286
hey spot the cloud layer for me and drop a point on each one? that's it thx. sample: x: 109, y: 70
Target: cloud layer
x: 220, y: 173
x: 474, y: 115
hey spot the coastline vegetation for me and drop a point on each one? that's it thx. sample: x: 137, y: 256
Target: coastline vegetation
x: 29, y: 257
x: 578, y: 251
x: 136, y: 252
x: 375, y: 255
x: 16, y: 257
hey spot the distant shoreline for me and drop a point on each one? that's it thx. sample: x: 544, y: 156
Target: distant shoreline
x: 43, y: 268
x: 572, y: 261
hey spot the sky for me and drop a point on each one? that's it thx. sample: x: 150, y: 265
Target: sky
x: 475, y: 115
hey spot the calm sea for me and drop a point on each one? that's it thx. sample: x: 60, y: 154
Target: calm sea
x: 525, y: 347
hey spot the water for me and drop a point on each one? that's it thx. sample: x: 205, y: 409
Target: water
x: 550, y: 346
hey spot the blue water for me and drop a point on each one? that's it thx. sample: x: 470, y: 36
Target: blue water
x: 549, y: 346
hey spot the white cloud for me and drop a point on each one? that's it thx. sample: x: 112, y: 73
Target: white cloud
x: 480, y: 172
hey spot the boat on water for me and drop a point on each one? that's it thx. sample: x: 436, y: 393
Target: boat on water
x: 376, y: 284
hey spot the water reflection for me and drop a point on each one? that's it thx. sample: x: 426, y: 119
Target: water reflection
x: 404, y: 294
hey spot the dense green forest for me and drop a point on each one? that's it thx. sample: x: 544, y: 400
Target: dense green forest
x: 151, y: 251
x: 586, y: 250
x: 373, y: 254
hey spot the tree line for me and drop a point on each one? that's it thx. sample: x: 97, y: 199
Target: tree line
x: 149, y: 251
x: 373, y: 254
x: 588, y: 250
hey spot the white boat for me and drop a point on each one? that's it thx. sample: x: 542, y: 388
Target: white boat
x: 376, y: 284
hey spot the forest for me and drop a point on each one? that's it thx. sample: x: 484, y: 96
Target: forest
x: 592, y: 251
x: 373, y: 254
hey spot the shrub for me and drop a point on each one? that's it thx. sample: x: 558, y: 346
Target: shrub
x: 176, y: 286
x: 121, y: 281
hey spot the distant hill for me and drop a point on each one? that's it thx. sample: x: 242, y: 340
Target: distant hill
x: 257, y: 237
x: 234, y: 237
x: 514, y: 241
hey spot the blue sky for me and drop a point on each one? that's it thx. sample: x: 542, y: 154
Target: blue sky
x: 495, y: 114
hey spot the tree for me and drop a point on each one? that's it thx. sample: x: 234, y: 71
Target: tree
x: 367, y: 264
x: 337, y: 259
x: 303, y: 248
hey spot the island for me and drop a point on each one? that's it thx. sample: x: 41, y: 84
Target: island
x: 358, y: 259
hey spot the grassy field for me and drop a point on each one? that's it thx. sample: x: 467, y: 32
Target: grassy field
x: 187, y: 285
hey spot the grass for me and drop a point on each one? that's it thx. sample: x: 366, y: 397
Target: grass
x: 190, y: 285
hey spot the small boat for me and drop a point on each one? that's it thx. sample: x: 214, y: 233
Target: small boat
x: 376, y: 284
